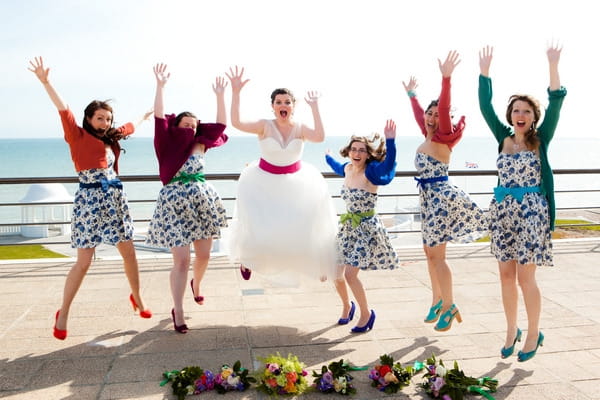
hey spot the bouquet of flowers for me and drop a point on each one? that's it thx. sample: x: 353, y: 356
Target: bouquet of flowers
x: 235, y: 378
x: 282, y: 375
x: 389, y: 377
x: 453, y: 384
x: 334, y: 379
x: 190, y: 380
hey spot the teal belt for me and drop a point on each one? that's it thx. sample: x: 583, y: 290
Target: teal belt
x: 356, y: 218
x: 500, y: 192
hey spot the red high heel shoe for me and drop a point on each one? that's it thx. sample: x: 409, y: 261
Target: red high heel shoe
x: 143, y: 313
x: 60, y: 334
x: 197, y: 299
x: 179, y: 328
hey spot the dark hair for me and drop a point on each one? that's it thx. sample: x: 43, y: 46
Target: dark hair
x: 182, y: 115
x: 434, y: 103
x: 376, y: 151
x: 282, y: 91
x: 531, y: 139
x: 109, y: 136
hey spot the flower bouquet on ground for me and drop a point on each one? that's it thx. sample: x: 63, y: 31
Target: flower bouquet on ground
x: 389, y: 377
x: 235, y: 378
x: 334, y: 379
x: 281, y: 376
x: 190, y: 380
x: 453, y: 384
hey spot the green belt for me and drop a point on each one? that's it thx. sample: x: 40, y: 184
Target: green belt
x: 188, y: 178
x: 356, y: 218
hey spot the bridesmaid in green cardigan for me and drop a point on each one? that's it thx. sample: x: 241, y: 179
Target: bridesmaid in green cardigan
x: 522, y: 210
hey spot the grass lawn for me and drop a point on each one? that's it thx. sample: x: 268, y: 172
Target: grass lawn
x: 27, y: 251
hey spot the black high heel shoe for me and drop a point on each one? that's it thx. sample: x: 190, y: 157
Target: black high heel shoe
x: 344, y: 321
x: 179, y: 328
x: 367, y: 327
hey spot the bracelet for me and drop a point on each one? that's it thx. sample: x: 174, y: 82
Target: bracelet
x: 411, y: 93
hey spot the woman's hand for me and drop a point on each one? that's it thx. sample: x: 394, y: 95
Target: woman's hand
x: 485, y: 60
x: 390, y: 129
x: 447, y: 67
x: 411, y: 86
x: 312, y: 98
x: 37, y: 67
x: 161, y: 74
x: 236, y: 78
x: 219, y: 85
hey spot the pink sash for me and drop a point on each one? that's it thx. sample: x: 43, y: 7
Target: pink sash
x: 275, y: 169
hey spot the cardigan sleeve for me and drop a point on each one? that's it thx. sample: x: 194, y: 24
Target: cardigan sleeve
x: 499, y: 130
x: 337, y: 167
x: 211, y: 135
x: 418, y: 113
x: 382, y: 173
x: 548, y: 126
x: 70, y: 128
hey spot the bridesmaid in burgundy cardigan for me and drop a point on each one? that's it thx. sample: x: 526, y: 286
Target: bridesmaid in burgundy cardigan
x: 188, y: 210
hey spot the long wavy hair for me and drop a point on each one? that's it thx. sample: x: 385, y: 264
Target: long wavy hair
x: 375, y: 147
x: 109, y: 136
x: 531, y: 139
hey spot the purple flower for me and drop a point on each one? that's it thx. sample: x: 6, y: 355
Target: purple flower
x: 374, y: 374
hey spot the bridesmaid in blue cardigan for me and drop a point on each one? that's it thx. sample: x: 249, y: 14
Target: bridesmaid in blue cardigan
x: 362, y: 242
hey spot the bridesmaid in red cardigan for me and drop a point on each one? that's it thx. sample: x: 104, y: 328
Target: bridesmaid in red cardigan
x: 100, y: 211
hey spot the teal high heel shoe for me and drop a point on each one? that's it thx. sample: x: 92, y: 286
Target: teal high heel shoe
x: 529, y: 355
x: 367, y: 327
x: 344, y: 321
x: 504, y: 352
x: 445, y: 321
x: 434, y: 313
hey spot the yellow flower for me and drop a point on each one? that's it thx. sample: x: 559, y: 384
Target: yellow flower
x: 226, y: 372
x: 390, y: 378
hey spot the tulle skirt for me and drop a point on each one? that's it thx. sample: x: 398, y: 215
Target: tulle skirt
x: 284, y: 226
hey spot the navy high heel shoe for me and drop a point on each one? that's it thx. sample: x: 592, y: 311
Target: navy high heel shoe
x: 529, y: 355
x: 434, y: 313
x: 344, y: 321
x: 504, y: 352
x: 367, y: 327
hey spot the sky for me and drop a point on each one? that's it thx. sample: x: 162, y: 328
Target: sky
x: 355, y: 53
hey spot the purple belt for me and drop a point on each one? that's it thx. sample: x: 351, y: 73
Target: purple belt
x: 277, y: 170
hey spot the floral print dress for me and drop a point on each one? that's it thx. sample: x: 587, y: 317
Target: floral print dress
x: 99, y: 215
x: 447, y: 212
x: 520, y: 230
x: 186, y: 212
x: 366, y: 245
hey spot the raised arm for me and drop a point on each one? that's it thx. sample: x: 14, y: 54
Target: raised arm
x: 318, y: 133
x: 418, y: 111
x: 235, y: 76
x: 162, y: 77
x: 219, y: 89
x: 143, y: 118
x: 446, y: 68
x: 553, y: 53
x: 382, y: 173
x: 485, y: 92
x: 37, y: 67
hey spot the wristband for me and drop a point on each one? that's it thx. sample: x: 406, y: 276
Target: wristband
x: 411, y: 93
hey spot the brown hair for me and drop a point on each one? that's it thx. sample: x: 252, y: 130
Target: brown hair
x: 375, y: 150
x: 282, y: 91
x: 531, y: 139
x: 109, y: 136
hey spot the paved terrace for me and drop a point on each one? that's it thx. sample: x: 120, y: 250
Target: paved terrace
x: 113, y: 354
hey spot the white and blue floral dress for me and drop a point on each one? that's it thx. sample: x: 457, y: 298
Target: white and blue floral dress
x: 520, y: 230
x: 186, y: 211
x: 100, y: 215
x: 364, y: 243
x: 447, y: 212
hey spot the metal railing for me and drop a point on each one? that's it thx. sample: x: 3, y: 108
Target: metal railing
x: 399, y: 199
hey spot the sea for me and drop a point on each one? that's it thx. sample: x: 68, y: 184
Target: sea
x: 49, y: 157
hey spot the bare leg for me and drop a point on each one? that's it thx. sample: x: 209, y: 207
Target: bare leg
x: 351, y: 275
x: 510, y: 298
x: 202, y: 256
x: 73, y: 283
x: 342, y: 289
x: 178, y: 279
x: 436, y: 256
x: 533, y: 303
x: 130, y: 263
x: 436, y: 291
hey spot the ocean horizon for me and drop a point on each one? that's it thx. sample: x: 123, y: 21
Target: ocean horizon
x: 49, y: 157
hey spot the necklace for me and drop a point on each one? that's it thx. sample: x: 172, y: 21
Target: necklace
x: 516, y: 145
